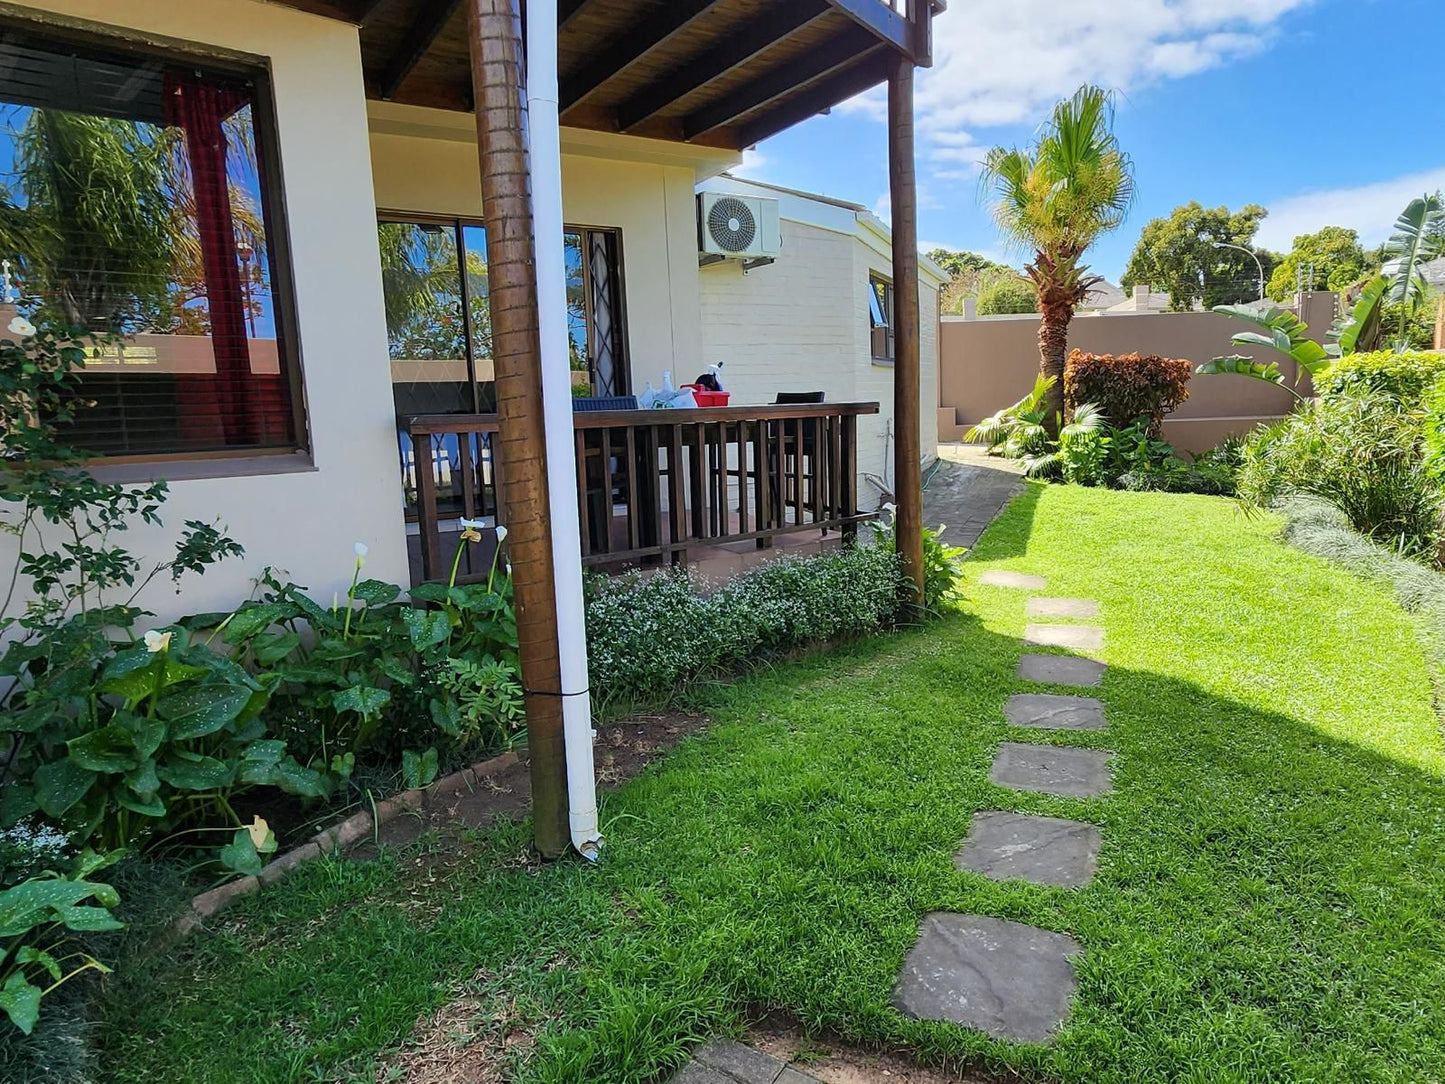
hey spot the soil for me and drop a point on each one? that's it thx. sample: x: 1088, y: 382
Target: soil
x: 623, y: 748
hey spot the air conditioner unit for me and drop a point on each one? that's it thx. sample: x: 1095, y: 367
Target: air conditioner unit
x: 738, y: 227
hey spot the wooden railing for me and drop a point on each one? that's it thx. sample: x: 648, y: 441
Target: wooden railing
x: 652, y: 485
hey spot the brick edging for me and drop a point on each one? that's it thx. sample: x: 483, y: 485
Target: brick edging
x: 352, y: 830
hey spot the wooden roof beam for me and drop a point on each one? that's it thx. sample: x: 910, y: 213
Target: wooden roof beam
x: 837, y: 52
x: 567, y: 10
x: 363, y: 11
x: 630, y: 48
x: 754, y: 38
x: 816, y: 99
x: 879, y: 18
x: 424, y: 31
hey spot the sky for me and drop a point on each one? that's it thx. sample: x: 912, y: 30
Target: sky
x: 1326, y: 112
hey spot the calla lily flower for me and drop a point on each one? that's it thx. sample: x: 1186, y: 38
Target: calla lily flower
x: 22, y: 327
x: 501, y: 533
x: 258, y: 830
x: 157, y: 641
x: 472, y: 524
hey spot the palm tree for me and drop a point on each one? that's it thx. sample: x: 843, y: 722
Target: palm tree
x: 1057, y: 198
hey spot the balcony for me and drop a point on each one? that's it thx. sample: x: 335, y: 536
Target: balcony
x: 654, y: 487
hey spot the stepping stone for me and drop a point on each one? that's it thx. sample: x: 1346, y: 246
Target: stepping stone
x: 1049, y: 711
x: 997, y: 577
x: 1043, y: 850
x: 1060, y: 670
x: 1073, y: 637
x: 1009, y: 980
x: 1061, y: 607
x: 1052, y: 769
x: 722, y: 1061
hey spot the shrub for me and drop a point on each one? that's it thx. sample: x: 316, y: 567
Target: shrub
x: 942, y: 563
x: 1433, y: 430
x: 647, y: 636
x: 1359, y: 451
x: 1127, y: 386
x: 1407, y: 377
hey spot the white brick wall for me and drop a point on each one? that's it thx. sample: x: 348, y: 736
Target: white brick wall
x: 801, y: 324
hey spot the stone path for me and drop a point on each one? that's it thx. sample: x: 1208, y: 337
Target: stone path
x: 967, y: 491
x: 1007, y: 979
x: 722, y: 1061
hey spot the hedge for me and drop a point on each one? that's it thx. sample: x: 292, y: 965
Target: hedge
x: 1405, y: 376
x: 1127, y: 386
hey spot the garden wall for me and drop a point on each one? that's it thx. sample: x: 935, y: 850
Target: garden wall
x: 990, y: 362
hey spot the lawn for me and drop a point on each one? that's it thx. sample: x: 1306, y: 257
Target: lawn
x: 1270, y: 904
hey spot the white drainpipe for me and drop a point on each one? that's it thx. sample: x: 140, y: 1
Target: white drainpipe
x: 546, y: 159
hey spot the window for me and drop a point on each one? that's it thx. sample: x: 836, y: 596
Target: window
x: 880, y: 318
x: 439, y: 327
x: 134, y: 207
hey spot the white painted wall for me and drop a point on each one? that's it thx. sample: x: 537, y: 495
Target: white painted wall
x: 801, y: 324
x: 425, y: 161
x: 306, y: 519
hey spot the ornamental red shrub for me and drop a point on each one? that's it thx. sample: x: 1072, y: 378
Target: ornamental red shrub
x: 1127, y: 386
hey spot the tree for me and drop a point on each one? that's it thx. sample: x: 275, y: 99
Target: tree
x: 1331, y: 258
x: 1057, y: 197
x: 1178, y: 254
x: 958, y: 262
x: 1007, y: 293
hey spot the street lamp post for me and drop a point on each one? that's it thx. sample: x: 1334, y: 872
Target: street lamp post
x: 1253, y: 255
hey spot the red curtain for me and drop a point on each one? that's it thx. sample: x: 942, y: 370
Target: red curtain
x: 199, y: 108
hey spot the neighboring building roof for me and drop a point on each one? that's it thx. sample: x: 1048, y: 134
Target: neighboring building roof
x: 814, y: 209
x: 1434, y: 272
x: 1104, y: 295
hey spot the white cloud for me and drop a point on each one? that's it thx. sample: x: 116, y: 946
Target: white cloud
x: 1369, y: 208
x: 998, y: 64
x: 752, y: 164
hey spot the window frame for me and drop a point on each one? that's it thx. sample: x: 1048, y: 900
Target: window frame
x: 881, y: 303
x: 459, y: 223
x: 124, y: 45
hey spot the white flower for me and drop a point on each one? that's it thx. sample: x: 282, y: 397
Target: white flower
x: 471, y: 524
x: 22, y: 327
x: 157, y: 641
x: 501, y: 533
x: 258, y: 830
x: 361, y: 549
x: 890, y: 507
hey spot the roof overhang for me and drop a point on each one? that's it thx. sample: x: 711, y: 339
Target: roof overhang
x: 720, y: 73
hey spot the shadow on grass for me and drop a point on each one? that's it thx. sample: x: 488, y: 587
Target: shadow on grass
x: 1269, y: 905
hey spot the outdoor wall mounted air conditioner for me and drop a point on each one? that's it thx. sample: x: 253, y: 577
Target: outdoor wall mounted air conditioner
x: 738, y: 227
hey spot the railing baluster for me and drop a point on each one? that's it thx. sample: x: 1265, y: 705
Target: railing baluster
x: 676, y: 496
x: 761, y: 480
x: 697, y: 479
x: 605, y: 519
x: 426, y: 510
x: 743, y: 476
x: 634, y: 537
x: 850, y: 478
x: 835, y: 468
x: 722, y: 507
x: 797, y: 471
x: 584, y: 514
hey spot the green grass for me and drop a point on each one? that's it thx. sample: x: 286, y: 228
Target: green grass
x: 1270, y: 904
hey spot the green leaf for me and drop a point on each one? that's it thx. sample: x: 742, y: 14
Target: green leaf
x: 399, y: 670
x: 427, y: 628
x: 17, y: 800
x: 308, y: 673
x: 240, y: 854
x: 21, y: 1001
x: 109, y: 749
x: 1238, y: 365
x: 190, y: 771
x: 204, y: 710
x: 60, y: 784
x: 303, y: 782
x: 446, y: 715
x: 143, y: 779
x: 261, y: 761
x: 376, y: 592
x: 132, y: 674
x: 429, y: 592
x: 418, y: 769
x: 255, y: 617
x: 365, y: 700
x: 146, y: 733
x: 146, y: 803
x: 37, y: 902
x: 275, y: 646
x: 335, y: 650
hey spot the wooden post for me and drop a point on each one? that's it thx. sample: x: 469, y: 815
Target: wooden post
x: 907, y: 468
x: 495, y: 43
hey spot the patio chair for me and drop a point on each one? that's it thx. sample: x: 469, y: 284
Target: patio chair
x: 600, y: 503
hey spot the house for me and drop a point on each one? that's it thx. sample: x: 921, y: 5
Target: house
x: 1143, y: 299
x: 817, y: 318
x: 277, y: 413
x: 320, y: 333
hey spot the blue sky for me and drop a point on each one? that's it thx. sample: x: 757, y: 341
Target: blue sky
x: 1279, y: 102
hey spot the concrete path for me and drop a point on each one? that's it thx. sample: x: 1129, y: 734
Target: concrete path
x: 967, y: 491
x: 1043, y: 850
x: 1047, y: 711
